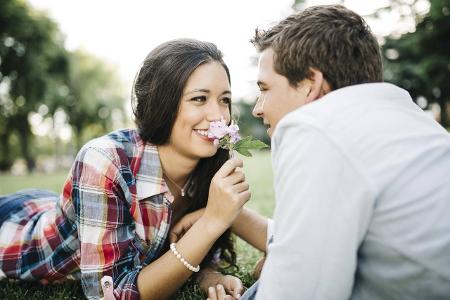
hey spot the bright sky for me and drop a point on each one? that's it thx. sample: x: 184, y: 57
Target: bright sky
x: 123, y: 32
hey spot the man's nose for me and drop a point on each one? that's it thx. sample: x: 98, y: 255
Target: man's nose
x: 257, y: 111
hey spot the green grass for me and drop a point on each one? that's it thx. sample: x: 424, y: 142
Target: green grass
x: 52, y: 182
x: 259, y: 175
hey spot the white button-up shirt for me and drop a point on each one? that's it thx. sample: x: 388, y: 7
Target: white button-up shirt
x: 362, y: 188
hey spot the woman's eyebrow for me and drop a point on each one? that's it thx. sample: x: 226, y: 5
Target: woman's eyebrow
x: 206, y: 91
x: 198, y: 90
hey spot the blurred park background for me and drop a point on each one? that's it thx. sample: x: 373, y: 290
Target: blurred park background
x: 55, y: 96
x: 53, y: 99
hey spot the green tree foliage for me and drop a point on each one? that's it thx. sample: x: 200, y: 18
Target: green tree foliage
x: 32, y: 58
x: 248, y: 124
x: 37, y: 74
x: 420, y: 61
x: 95, y: 96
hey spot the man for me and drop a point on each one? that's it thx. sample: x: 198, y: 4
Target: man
x: 361, y: 174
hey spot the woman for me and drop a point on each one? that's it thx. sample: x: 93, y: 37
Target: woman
x: 127, y: 189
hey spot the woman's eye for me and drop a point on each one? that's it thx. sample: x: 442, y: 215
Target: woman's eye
x: 225, y: 100
x: 199, y: 99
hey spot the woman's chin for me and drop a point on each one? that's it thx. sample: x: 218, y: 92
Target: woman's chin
x: 207, y: 151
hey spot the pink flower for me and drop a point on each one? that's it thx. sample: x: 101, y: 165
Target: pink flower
x: 227, y: 137
x: 233, y: 130
x: 218, y: 129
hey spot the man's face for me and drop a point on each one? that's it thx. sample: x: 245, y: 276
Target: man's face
x: 277, y: 97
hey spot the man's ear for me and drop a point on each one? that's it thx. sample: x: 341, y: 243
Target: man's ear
x: 319, y: 87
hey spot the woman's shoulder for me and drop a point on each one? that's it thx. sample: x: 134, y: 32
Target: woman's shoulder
x: 120, y: 139
x: 114, y: 145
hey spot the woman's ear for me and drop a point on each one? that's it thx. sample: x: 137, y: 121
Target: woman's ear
x: 319, y: 87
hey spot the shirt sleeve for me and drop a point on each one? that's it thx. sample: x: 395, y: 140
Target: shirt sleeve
x: 104, y: 226
x: 323, y: 206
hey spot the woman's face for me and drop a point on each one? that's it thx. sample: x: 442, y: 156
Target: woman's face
x: 205, y: 99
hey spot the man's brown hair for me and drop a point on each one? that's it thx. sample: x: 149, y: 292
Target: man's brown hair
x: 329, y: 38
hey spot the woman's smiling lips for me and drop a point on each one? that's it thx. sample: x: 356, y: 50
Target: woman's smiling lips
x: 203, y: 134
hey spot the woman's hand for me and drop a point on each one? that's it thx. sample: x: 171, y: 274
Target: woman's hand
x: 228, y: 192
x: 219, y: 287
x: 184, y: 224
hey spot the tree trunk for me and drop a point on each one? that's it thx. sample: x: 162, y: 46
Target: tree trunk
x: 25, y: 136
x: 78, y: 138
x: 5, y: 160
x: 444, y: 112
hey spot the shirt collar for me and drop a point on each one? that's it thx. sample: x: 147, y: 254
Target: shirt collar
x: 149, y: 177
x: 372, y: 90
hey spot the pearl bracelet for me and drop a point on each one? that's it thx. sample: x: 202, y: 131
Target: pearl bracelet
x: 181, y: 258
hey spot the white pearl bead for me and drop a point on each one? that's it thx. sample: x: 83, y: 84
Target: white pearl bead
x: 183, y: 261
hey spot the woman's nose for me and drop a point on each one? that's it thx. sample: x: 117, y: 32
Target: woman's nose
x: 214, y: 112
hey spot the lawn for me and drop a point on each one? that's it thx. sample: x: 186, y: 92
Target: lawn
x: 259, y: 175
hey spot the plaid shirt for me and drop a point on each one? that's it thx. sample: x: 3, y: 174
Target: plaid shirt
x: 111, y: 220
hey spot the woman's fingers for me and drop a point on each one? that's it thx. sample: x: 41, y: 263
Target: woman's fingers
x: 212, y: 295
x: 176, y: 232
x: 228, y: 167
x: 244, y: 197
x: 234, y: 286
x: 218, y: 293
x: 225, y: 200
x: 235, y: 177
x: 241, y: 187
x: 183, y: 225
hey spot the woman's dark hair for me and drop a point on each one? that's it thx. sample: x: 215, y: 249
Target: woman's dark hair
x: 156, y: 95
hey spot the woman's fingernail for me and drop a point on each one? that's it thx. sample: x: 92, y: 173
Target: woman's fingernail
x: 238, y: 296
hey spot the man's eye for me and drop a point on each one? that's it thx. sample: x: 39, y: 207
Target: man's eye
x: 199, y: 99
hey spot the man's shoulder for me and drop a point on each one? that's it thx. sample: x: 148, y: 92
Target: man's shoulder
x: 348, y: 108
x: 355, y: 119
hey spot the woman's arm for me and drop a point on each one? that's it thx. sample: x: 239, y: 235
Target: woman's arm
x: 228, y: 193
x: 249, y: 226
x: 163, y: 277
